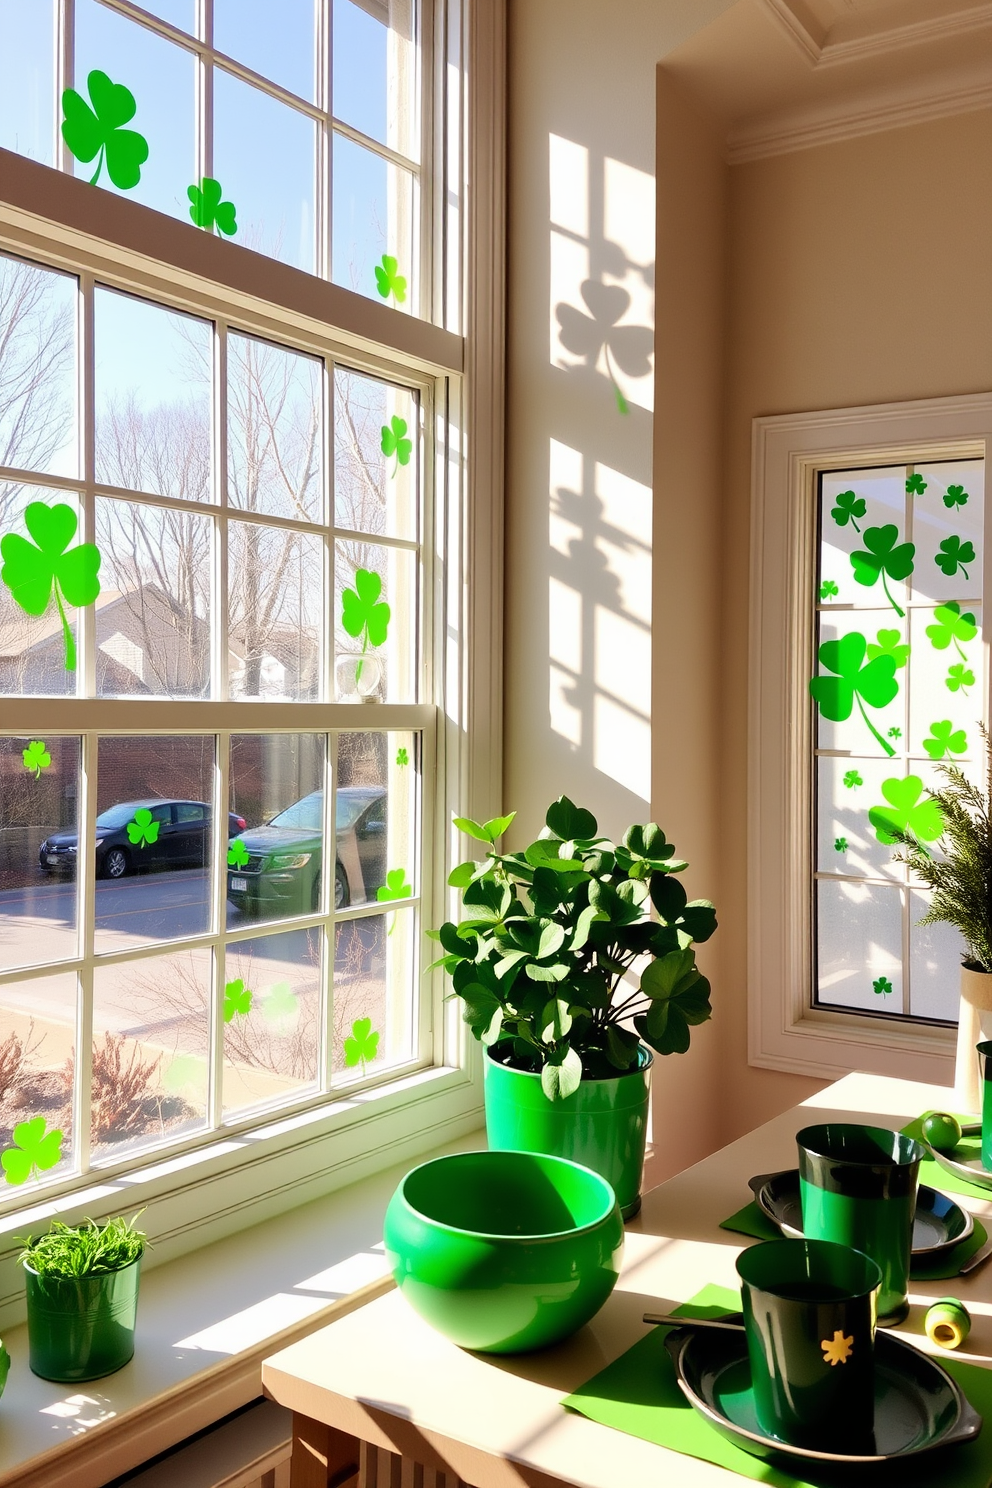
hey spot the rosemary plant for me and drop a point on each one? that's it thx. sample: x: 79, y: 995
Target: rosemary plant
x: 87, y: 1249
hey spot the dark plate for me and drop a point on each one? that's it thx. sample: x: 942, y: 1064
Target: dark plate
x: 965, y: 1161
x: 940, y: 1224
x: 918, y: 1406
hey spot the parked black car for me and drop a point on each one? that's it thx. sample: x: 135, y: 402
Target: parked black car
x: 181, y: 840
x: 282, y: 874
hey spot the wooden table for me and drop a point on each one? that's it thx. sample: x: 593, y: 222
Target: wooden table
x: 383, y: 1378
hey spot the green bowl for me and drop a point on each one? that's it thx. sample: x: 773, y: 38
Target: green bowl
x: 504, y: 1251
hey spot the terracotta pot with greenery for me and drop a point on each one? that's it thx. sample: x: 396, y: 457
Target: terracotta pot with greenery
x: 574, y: 962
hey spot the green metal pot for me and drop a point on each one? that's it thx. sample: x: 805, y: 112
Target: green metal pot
x: 504, y: 1252
x: 603, y: 1125
x: 81, y: 1328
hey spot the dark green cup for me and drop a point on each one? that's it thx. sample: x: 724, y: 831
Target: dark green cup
x: 809, y: 1312
x: 984, y: 1055
x: 858, y: 1186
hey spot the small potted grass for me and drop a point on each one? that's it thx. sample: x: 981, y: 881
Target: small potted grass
x: 82, y: 1293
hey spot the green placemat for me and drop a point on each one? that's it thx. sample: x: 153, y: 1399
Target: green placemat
x: 931, y: 1172
x: 638, y: 1394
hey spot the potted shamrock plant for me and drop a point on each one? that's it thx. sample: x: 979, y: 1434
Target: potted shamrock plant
x: 82, y: 1295
x: 574, y: 961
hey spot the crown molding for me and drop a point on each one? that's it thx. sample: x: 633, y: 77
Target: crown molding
x: 799, y: 31
x: 813, y: 39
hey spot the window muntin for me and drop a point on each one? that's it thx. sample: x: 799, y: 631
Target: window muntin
x: 871, y: 954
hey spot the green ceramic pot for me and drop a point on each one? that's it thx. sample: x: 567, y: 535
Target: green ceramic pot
x: 504, y: 1251
x: 81, y: 1328
x: 603, y: 1125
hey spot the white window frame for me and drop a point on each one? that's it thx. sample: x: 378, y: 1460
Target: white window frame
x: 785, y: 1031
x: 247, y: 1175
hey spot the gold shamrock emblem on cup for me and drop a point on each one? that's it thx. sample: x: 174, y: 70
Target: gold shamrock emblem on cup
x: 837, y: 1350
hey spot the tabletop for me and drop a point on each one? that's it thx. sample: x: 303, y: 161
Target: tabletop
x: 384, y: 1376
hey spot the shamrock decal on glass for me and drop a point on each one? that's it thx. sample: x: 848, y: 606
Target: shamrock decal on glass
x: 281, y: 1005
x: 852, y: 779
x: 895, y: 733
x: 184, y: 1071
x: 847, y: 508
x: 35, y: 1149
x: 959, y: 679
x: 237, y: 1000
x: 885, y: 556
x: 945, y: 739
x: 362, y: 1046
x: 402, y: 757
x: 395, y: 442
x: 33, y: 572
x: 36, y: 757
x: 395, y: 887
x: 855, y: 681
x: 840, y: 844
x: 143, y: 829
x: 363, y: 614
x: 906, y: 813
x: 889, y: 644
x: 388, y: 281
x: 598, y: 334
x: 955, y: 496
x: 95, y: 128
x: 950, y: 625
x: 882, y: 987
x: 237, y: 854
x: 828, y: 590
x: 953, y: 555
x: 207, y: 209
x: 915, y: 485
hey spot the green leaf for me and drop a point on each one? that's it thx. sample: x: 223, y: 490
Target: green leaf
x: 471, y: 829
x: 621, y: 1046
x: 847, y: 508
x: 362, y: 1045
x: 953, y: 555
x: 885, y: 555
x: 143, y: 828
x: 945, y: 739
x: 889, y: 644
x: 906, y: 813
x: 94, y: 128
x: 35, y: 1149
x: 550, y: 940
x: 462, y: 876
x: 497, y: 825
x: 237, y: 1000
x: 35, y: 572
x: 207, y: 209
x: 480, y: 1006
x: 955, y: 496
x: 557, y: 1020
x: 669, y: 975
x: 492, y: 1034
x: 395, y: 887
x: 570, y: 822
x: 36, y: 757
x: 237, y: 854
x: 561, y: 1076
x: 874, y: 682
x: 915, y: 485
x: 665, y: 1028
x: 587, y: 918
x: 388, y: 281
x: 537, y: 972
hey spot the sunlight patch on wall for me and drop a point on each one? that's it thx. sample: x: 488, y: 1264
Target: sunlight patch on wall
x: 622, y: 746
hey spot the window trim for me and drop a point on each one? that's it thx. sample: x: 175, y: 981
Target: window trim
x: 785, y: 1032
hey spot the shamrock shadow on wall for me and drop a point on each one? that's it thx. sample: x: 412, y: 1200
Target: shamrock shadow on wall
x: 627, y: 347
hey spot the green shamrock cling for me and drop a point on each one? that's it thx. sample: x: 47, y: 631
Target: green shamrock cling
x: 237, y: 854
x: 946, y: 739
x: 955, y: 496
x: 895, y: 733
x: 852, y: 779
x: 207, y: 209
x: 363, y: 613
x: 885, y: 555
x: 143, y: 829
x: 402, y: 757
x: 953, y: 555
x: 848, y: 507
x: 906, y: 813
x: 362, y: 1046
x: 889, y: 645
x: 281, y: 1005
x: 388, y: 281
x: 959, y: 678
x: 915, y: 485
x: 840, y: 844
x: 237, y: 1000
x: 828, y: 590
x: 873, y: 683
x: 395, y: 887
x: 950, y: 625
x: 36, y: 757
x: 34, y: 573
x: 395, y: 442
x: 96, y: 130
x: 185, y: 1070
x: 34, y: 1149
x: 882, y: 987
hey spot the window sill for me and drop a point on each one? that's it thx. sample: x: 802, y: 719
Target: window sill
x: 205, y: 1322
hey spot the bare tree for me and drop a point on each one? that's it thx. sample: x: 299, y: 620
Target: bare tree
x: 37, y: 345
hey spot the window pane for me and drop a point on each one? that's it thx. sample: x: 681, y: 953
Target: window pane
x: 27, y: 78
x: 153, y: 872
x: 37, y: 1050
x: 374, y: 976
x: 160, y: 76
x: 181, y: 13
x: 151, y: 1030
x: 153, y: 628
x: 374, y: 213
x: 264, y: 156
x: 375, y: 622
x: 276, y: 787
x: 934, y: 949
x: 37, y: 368
x: 375, y: 818
x: 276, y: 578
x: 375, y: 80
x: 152, y: 398
x: 275, y: 430
x: 375, y: 491
x: 39, y: 794
x: 271, y: 1018
x: 948, y: 520
x: 860, y: 939
x: 38, y: 652
x: 276, y: 41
